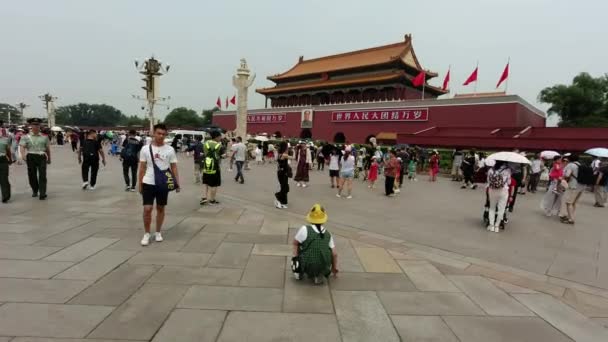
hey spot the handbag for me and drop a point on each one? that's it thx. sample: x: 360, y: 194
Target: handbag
x: 164, y: 180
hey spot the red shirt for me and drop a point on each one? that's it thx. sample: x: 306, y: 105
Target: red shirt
x: 391, y: 168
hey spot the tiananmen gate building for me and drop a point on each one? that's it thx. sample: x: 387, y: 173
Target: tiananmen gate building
x: 370, y: 93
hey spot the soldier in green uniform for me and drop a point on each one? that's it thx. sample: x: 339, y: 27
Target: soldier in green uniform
x: 37, y: 157
x: 6, y: 159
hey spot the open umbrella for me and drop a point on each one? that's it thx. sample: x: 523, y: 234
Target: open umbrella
x: 510, y: 157
x: 56, y: 129
x: 598, y: 152
x: 548, y: 154
x: 261, y: 138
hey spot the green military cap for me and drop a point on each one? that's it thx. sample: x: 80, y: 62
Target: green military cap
x: 34, y: 121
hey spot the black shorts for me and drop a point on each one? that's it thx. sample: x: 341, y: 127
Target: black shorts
x: 334, y: 173
x: 212, y: 180
x: 150, y: 193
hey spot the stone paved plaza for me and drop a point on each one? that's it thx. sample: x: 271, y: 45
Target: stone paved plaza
x: 419, y: 267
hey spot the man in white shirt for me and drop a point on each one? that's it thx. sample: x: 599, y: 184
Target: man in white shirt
x: 574, y: 191
x: 536, y: 168
x: 164, y: 157
x: 239, y: 151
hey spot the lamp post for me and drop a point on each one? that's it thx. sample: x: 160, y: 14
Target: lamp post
x: 151, y: 69
x: 21, y: 107
x: 48, y: 100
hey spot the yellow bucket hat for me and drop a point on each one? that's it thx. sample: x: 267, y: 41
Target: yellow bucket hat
x: 317, y: 215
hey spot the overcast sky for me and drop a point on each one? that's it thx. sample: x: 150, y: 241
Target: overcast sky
x: 83, y: 51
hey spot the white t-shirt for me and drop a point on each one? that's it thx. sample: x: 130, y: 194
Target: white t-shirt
x: 334, y: 162
x: 148, y: 141
x: 164, y: 156
x: 302, y: 234
x: 239, y: 150
x: 348, y: 164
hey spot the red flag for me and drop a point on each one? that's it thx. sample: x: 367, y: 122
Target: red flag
x: 218, y: 103
x: 504, y: 76
x: 446, y: 81
x: 419, y: 79
x: 226, y: 102
x: 472, y: 78
x: 233, y: 100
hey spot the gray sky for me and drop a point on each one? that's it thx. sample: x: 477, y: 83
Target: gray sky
x: 83, y: 51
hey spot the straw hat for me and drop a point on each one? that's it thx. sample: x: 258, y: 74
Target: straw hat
x: 317, y: 215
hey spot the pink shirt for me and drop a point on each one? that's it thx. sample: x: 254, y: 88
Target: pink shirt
x: 557, y: 171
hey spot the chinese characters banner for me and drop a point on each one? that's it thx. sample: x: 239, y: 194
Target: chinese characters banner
x: 388, y: 115
x: 266, y: 118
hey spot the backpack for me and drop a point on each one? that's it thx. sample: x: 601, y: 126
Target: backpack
x: 496, y: 180
x: 89, y: 149
x: 130, y: 151
x: 210, y: 164
x: 585, y: 174
x: 315, y: 255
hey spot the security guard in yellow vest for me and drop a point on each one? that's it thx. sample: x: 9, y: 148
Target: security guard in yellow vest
x: 37, y: 157
x: 212, y: 176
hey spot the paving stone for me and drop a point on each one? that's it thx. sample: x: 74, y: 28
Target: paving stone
x: 426, y: 277
x: 187, y: 275
x: 231, y: 255
x: 274, y: 227
x: 5, y: 339
x: 40, y: 291
x: 256, y: 238
x: 132, y: 244
x: 279, y: 327
x: 362, y: 318
x: 302, y: 296
x: 191, y: 326
x: 47, y: 339
x: 490, y: 298
x: 142, y: 315
x: 601, y: 321
x: 170, y: 258
x: 348, y: 260
x: 371, y: 282
x: 230, y: 214
x: 423, y: 329
x: 81, y: 250
x: 440, y: 259
x: 50, y: 320
x: 116, y: 286
x: 251, y: 218
x: 232, y: 298
x: 503, y: 329
x: 510, y: 288
x: 25, y: 252
x: 273, y: 249
x: 70, y: 237
x: 231, y: 228
x: 204, y: 242
x: 428, y: 303
x: 377, y: 260
x: 264, y: 271
x: 540, y: 286
x: 96, y: 266
x: 31, y: 269
x: 587, y: 304
x: 564, y: 318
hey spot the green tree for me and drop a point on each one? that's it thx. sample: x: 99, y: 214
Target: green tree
x: 584, y: 103
x: 208, y: 115
x: 84, y: 114
x: 183, y: 116
x: 134, y: 120
x: 5, y: 109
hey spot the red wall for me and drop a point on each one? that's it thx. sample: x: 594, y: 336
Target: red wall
x: 467, y: 115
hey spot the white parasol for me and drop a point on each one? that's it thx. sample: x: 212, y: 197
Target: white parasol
x: 56, y: 129
x: 261, y: 138
x: 598, y: 152
x: 510, y: 157
x: 548, y: 154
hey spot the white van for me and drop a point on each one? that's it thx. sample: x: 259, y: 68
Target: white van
x: 184, y: 134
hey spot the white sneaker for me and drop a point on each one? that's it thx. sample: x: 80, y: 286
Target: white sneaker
x: 278, y: 204
x: 158, y: 237
x: 397, y: 191
x: 349, y: 197
x: 490, y: 228
x: 496, y: 229
x: 304, y: 185
x: 92, y: 188
x: 85, y: 185
x: 146, y: 239
x: 298, y: 185
x: 283, y: 206
x: 338, y: 195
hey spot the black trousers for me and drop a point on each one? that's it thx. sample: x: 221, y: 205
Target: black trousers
x: 281, y: 196
x: 518, y: 181
x: 401, y: 174
x: 93, y: 165
x: 74, y: 146
x: 468, y: 177
x: 126, y: 166
x: 5, y: 186
x: 389, y: 183
x: 320, y: 164
x: 533, y: 183
x: 36, y: 173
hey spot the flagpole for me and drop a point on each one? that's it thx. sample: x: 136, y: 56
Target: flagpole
x: 423, y: 83
x: 508, y: 76
x: 477, y: 80
x: 449, y: 89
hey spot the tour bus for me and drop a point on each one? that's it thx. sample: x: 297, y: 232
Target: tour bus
x: 184, y: 133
